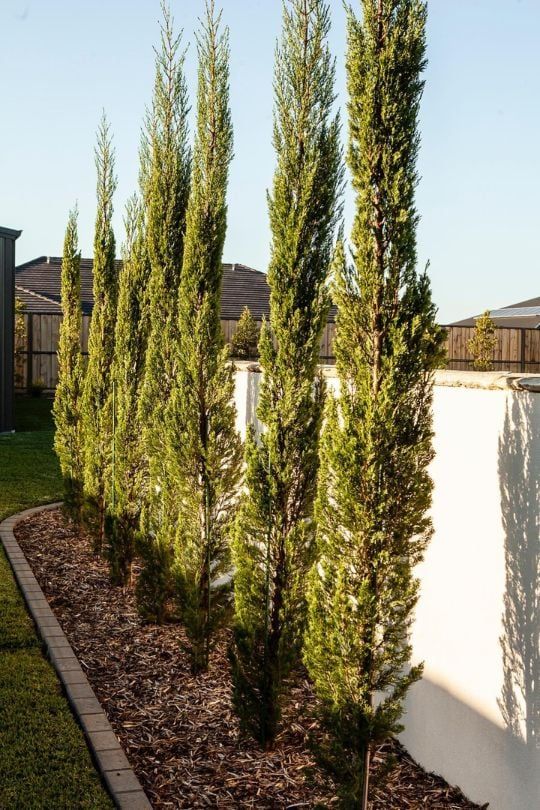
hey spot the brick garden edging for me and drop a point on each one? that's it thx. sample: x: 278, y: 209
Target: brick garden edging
x: 108, y: 754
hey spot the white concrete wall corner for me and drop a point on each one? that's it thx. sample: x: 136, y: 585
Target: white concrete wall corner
x: 475, y: 717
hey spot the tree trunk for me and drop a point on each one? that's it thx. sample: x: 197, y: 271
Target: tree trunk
x: 365, y: 778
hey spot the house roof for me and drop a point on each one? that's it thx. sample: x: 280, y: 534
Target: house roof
x: 524, y: 315
x: 37, y: 285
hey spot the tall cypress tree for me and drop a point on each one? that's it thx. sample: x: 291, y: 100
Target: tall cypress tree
x: 202, y: 446
x: 129, y: 358
x: 67, y: 401
x: 97, y: 386
x: 374, y: 489
x: 165, y: 179
x: 274, y: 531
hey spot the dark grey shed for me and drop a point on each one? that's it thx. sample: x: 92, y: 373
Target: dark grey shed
x: 8, y: 238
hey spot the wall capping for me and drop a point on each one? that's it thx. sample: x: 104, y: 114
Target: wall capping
x: 487, y: 380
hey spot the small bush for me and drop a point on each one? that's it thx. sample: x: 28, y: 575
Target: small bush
x: 483, y: 342
x: 245, y: 339
x: 37, y: 388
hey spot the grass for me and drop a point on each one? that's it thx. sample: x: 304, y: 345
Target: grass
x: 44, y: 761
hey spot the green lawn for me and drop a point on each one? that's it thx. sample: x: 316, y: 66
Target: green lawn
x: 44, y: 761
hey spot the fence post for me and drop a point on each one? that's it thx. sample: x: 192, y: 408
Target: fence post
x: 522, y: 347
x: 29, y: 352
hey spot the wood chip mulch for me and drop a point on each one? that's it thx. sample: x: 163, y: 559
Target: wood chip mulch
x: 179, y: 731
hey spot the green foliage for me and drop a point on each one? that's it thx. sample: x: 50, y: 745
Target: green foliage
x: 374, y: 489
x: 273, y: 538
x: 245, y: 339
x: 483, y: 342
x: 20, y: 341
x: 202, y: 450
x: 129, y: 357
x: 165, y: 178
x: 68, y: 440
x: 96, y: 414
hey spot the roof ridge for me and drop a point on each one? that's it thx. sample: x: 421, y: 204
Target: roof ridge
x: 38, y: 295
x: 30, y: 262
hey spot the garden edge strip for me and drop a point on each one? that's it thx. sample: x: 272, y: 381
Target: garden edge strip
x: 109, y: 757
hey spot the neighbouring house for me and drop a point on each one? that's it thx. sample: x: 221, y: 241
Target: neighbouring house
x: 37, y: 286
x: 518, y: 338
x: 524, y: 315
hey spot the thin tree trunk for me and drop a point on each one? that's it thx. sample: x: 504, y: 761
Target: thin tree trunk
x: 365, y: 778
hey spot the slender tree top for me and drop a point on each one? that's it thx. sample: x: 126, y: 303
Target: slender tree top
x: 385, y: 63
x: 214, y: 137
x: 304, y: 203
x: 165, y: 156
x: 71, y: 254
x: 69, y: 345
x: 212, y: 154
x: 104, y: 241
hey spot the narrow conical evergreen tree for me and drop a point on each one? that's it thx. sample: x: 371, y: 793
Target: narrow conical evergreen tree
x: 202, y: 446
x: 67, y: 401
x: 374, y: 489
x: 165, y: 178
x: 97, y: 387
x: 482, y: 344
x: 128, y: 367
x: 245, y: 339
x: 165, y: 175
x: 274, y: 531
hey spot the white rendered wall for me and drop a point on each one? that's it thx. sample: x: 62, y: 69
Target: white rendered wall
x: 475, y: 716
x: 486, y: 519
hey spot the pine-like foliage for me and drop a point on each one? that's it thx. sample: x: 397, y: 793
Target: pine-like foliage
x: 96, y: 416
x: 374, y: 489
x: 129, y: 357
x: 274, y: 531
x: 483, y: 342
x: 67, y: 400
x: 165, y: 178
x: 202, y: 447
x: 246, y: 336
x: 20, y: 342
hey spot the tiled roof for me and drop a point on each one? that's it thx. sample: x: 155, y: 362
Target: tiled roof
x: 38, y: 285
x: 33, y: 302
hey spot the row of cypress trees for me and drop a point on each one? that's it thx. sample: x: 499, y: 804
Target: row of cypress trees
x: 321, y: 540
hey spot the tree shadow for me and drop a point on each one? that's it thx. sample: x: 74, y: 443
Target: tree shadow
x: 519, y: 477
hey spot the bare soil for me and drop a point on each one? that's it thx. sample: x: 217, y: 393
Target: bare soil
x: 179, y: 731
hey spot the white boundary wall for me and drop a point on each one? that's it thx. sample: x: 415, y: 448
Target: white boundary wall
x: 475, y: 717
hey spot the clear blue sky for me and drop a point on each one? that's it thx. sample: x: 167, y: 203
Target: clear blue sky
x: 62, y: 61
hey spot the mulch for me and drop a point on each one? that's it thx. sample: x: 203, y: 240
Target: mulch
x: 179, y: 731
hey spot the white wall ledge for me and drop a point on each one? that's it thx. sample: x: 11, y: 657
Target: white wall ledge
x: 486, y: 380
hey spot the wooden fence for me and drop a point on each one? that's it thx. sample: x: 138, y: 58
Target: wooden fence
x: 35, y: 363
x: 35, y: 353
x: 35, y: 359
x: 516, y: 350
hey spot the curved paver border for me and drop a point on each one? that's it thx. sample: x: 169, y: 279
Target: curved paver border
x: 108, y: 754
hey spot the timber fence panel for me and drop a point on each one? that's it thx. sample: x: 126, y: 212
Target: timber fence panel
x: 516, y: 350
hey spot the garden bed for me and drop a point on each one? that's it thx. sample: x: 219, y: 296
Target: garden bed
x: 179, y: 731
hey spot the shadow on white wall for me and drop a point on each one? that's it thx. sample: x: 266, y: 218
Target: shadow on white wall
x: 519, y: 475
x: 471, y: 750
